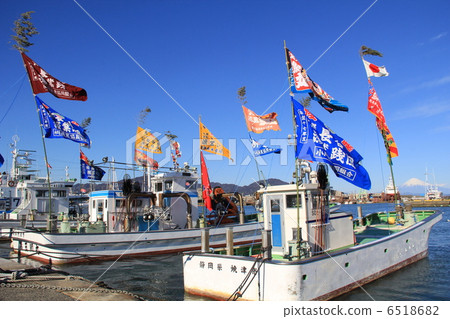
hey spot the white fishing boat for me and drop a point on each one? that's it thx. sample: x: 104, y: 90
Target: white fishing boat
x: 122, y: 224
x: 307, y: 251
x: 331, y: 254
x: 24, y: 196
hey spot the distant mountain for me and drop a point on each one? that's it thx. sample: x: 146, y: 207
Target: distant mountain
x: 228, y: 188
x: 415, y: 186
x: 247, y: 189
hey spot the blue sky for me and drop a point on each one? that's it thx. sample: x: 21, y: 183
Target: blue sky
x: 201, y: 52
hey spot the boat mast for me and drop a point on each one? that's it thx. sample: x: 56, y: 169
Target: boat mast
x: 45, y: 157
x: 386, y: 143
x: 296, y: 160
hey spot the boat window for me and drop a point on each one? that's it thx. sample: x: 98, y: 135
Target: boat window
x: 60, y: 193
x: 136, y: 203
x: 100, y: 206
x: 119, y: 203
x: 41, y: 193
x: 168, y: 186
x: 158, y: 187
x: 190, y: 185
x: 291, y: 201
x: 275, y: 205
x: 93, y: 203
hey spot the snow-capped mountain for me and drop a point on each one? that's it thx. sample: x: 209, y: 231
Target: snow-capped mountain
x: 415, y: 186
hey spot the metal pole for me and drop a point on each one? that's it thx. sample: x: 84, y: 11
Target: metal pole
x: 205, y: 240
x: 229, y: 239
x: 296, y: 160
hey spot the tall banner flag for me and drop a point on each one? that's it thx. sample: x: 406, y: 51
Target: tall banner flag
x: 303, y: 83
x: 207, y: 190
x: 260, y: 149
x: 142, y: 159
x: 211, y: 144
x: 374, y: 107
x: 42, y: 82
x: 146, y: 141
x: 89, y: 171
x: 316, y: 142
x: 374, y: 70
x: 297, y: 74
x: 56, y: 125
x: 260, y: 123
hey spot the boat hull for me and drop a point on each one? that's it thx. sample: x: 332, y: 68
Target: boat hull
x: 319, y: 278
x: 75, y: 248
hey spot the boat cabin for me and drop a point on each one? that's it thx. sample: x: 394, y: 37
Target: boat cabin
x: 172, y: 203
x: 318, y: 230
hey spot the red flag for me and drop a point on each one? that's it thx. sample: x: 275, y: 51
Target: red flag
x: 206, y: 184
x: 374, y: 107
x: 42, y: 82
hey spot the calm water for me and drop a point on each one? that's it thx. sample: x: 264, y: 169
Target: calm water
x: 161, y: 278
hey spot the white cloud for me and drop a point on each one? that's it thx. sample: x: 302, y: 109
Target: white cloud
x: 425, y: 110
x: 427, y: 85
x: 437, y: 37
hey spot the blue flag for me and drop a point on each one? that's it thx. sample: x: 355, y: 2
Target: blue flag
x: 57, y: 125
x: 89, y: 171
x: 316, y: 142
x: 259, y: 149
x: 2, y: 160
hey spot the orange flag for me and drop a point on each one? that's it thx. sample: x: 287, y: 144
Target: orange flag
x: 211, y: 144
x: 260, y: 123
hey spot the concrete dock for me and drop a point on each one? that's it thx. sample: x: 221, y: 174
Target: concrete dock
x: 19, y: 282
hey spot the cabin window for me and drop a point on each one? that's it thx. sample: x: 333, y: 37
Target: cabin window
x: 60, y: 193
x: 291, y: 201
x: 168, y: 186
x: 136, y: 203
x: 189, y: 184
x: 119, y: 203
x: 93, y: 204
x: 158, y: 187
x: 275, y: 205
x: 41, y: 193
x: 100, y: 206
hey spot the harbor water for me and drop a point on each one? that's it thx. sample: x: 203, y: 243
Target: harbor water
x: 161, y: 277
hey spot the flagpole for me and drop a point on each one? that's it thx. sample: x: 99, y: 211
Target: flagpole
x: 386, y: 146
x: 296, y: 160
x: 201, y: 171
x: 45, y: 153
x: 256, y: 162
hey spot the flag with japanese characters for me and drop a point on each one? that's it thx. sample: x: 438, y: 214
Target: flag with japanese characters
x: 56, y: 125
x: 42, y: 82
x: 316, y: 142
x: 297, y: 74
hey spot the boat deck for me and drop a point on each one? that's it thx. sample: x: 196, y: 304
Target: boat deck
x: 379, y: 225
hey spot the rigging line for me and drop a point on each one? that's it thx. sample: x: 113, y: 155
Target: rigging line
x: 324, y: 52
x: 14, y: 99
x: 351, y: 25
x: 136, y: 62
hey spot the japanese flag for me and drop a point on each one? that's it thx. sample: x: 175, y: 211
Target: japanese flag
x: 374, y: 70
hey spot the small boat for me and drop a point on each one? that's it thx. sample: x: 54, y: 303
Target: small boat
x: 134, y: 223
x: 330, y: 254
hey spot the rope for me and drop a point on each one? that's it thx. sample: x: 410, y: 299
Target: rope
x: 242, y: 288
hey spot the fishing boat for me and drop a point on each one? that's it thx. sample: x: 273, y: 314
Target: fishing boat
x: 134, y: 223
x: 309, y: 252
x: 332, y: 253
x: 24, y: 196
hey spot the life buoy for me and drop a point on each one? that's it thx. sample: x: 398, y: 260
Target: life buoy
x: 11, y: 183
